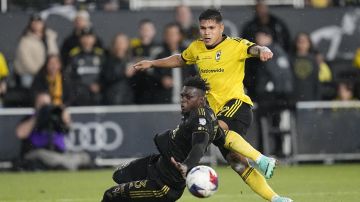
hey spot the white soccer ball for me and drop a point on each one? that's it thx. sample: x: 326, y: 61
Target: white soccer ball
x: 202, y: 181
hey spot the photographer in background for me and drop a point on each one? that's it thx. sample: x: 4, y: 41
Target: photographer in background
x: 43, y: 138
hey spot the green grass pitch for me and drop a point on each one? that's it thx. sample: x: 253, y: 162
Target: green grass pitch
x: 310, y: 183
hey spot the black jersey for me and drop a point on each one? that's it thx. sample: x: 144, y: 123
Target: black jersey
x: 178, y: 142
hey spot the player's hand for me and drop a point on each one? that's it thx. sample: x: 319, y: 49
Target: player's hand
x: 265, y: 54
x: 182, y: 168
x: 142, y: 65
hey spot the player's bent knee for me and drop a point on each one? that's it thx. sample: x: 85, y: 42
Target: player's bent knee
x: 119, y: 176
x: 238, y: 167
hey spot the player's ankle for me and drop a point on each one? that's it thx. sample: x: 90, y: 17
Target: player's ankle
x: 258, y: 159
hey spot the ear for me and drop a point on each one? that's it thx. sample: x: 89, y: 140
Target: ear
x: 203, y: 100
x: 222, y: 27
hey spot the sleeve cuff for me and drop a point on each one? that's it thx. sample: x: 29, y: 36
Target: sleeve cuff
x: 249, y: 48
x: 183, y: 58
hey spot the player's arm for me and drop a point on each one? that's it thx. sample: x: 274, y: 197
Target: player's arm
x: 199, y: 141
x: 262, y: 52
x: 168, y: 62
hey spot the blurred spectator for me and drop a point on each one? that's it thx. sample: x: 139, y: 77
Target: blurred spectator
x: 345, y: 91
x: 275, y: 80
x: 170, y: 80
x: 346, y: 2
x: 51, y: 79
x: 86, y: 62
x: 318, y: 3
x: 263, y: 18
x: 274, y: 89
x: 117, y: 70
x: 144, y: 47
x: 109, y: 5
x: 81, y: 21
x: 66, y: 10
x: 356, y: 61
x: 4, y: 72
x: 306, y: 69
x: 113, y: 5
x: 189, y: 29
x: 32, y: 4
x: 325, y: 74
x: 43, y: 138
x: 36, y: 42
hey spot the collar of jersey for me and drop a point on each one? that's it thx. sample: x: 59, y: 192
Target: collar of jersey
x: 223, y: 39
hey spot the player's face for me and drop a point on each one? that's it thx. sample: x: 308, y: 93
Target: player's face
x: 191, y: 98
x: 211, y: 32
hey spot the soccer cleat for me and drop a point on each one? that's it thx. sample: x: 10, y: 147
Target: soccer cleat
x: 281, y: 199
x: 267, y: 166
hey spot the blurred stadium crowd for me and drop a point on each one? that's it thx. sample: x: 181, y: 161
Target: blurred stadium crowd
x: 81, y: 71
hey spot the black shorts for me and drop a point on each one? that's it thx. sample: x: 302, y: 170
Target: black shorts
x: 139, y: 181
x: 237, y: 115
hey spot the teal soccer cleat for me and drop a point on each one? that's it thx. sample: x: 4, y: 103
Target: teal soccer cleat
x: 267, y: 166
x: 281, y: 199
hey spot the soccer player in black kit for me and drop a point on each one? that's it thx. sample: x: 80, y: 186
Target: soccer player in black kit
x: 162, y: 177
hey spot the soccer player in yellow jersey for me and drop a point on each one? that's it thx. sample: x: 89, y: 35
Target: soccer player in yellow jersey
x: 221, y: 62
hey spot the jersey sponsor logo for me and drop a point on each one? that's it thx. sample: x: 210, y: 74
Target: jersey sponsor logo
x: 208, y: 71
x: 202, y: 121
x: 217, y: 56
x: 94, y: 136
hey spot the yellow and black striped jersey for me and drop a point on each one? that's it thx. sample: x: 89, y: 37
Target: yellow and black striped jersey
x: 223, y: 67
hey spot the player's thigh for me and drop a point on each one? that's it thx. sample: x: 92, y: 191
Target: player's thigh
x: 237, y: 115
x: 135, y: 170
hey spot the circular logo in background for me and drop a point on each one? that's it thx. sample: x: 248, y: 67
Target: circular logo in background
x: 94, y: 136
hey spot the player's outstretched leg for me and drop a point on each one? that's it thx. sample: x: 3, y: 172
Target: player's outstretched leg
x: 237, y: 144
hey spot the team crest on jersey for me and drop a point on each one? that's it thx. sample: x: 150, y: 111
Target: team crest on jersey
x: 217, y: 56
x: 202, y: 121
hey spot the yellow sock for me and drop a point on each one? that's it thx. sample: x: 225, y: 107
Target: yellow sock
x: 258, y: 183
x: 235, y: 143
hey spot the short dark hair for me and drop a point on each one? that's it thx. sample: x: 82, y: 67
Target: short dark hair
x: 172, y: 24
x: 86, y: 32
x: 145, y: 21
x: 197, y: 82
x: 211, y: 14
